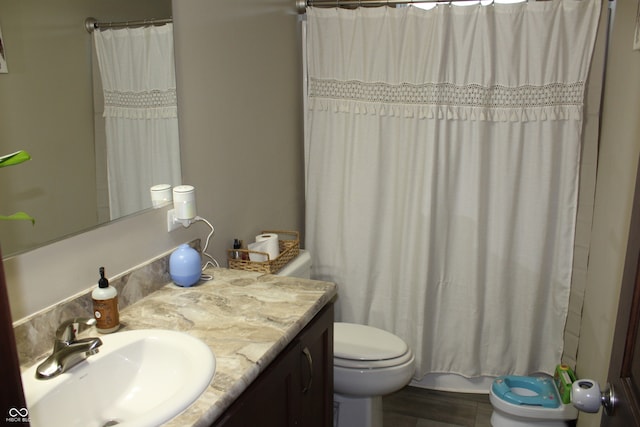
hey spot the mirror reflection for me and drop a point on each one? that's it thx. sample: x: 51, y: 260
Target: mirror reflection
x: 51, y: 105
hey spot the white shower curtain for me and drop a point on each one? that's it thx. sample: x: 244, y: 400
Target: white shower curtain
x: 141, y: 118
x: 442, y: 156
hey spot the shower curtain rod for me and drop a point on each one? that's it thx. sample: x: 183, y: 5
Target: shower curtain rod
x: 92, y: 24
x: 301, y: 5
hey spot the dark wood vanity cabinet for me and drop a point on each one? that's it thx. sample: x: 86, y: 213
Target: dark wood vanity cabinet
x: 296, y: 389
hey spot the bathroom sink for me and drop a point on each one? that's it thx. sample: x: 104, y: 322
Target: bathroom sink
x: 138, y: 378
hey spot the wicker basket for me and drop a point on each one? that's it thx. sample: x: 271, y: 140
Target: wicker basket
x: 289, y: 249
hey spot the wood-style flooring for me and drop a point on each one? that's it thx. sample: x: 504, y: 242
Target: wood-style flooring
x: 417, y: 407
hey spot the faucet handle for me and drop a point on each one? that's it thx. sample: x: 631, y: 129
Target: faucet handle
x: 67, y: 330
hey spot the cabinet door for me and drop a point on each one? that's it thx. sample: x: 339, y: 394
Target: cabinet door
x: 296, y: 389
x: 271, y: 400
x: 316, y: 371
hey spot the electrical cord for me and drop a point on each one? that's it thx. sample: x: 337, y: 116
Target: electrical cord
x: 212, y: 262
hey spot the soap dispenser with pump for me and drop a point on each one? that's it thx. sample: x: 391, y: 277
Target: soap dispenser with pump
x: 105, y: 306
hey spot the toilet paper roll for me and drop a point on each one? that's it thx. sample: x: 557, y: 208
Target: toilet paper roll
x: 266, y: 236
x: 265, y: 243
x: 160, y: 195
x: 258, y: 247
x: 273, y: 248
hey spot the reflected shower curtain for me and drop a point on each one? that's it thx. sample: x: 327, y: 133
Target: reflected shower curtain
x: 141, y: 117
x: 442, y: 157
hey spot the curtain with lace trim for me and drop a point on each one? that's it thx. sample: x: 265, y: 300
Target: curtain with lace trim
x: 138, y: 79
x: 442, y: 161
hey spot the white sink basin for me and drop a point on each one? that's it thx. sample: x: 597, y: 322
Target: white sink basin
x: 139, y: 378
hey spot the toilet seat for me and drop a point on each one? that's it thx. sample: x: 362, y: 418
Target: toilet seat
x: 372, y: 364
x: 540, y: 391
x: 365, y: 347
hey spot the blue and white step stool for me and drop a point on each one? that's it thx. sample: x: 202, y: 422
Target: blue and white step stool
x: 520, y: 401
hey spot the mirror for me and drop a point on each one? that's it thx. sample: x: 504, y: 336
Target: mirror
x: 47, y: 109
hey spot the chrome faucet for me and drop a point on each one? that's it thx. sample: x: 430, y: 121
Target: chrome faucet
x: 68, y: 351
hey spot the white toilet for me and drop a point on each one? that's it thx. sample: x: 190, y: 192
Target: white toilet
x: 367, y: 364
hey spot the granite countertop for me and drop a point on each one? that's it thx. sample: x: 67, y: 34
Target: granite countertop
x: 246, y: 318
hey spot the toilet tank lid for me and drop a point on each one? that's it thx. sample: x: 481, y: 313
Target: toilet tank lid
x: 361, y: 342
x: 299, y: 267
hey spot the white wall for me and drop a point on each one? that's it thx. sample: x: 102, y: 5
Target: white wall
x: 240, y: 98
x: 42, y: 277
x: 618, y: 163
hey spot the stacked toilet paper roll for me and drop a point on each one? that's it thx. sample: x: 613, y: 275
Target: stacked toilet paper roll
x: 264, y: 243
